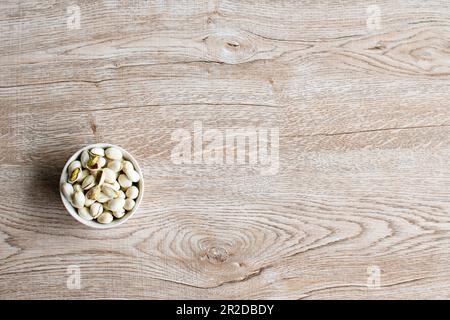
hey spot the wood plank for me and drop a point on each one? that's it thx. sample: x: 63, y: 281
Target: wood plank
x: 364, y: 143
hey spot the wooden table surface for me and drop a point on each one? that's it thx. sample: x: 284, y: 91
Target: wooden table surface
x: 359, y: 92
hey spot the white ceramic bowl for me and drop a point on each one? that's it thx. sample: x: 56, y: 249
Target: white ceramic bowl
x: 73, y: 211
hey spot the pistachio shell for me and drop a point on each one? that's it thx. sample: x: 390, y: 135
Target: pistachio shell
x: 74, y: 165
x: 75, y: 175
x: 94, y: 173
x: 98, y: 152
x: 115, y: 165
x: 132, y: 192
x: 105, y: 218
x: 92, y: 193
x: 102, y: 198
x: 119, y: 214
x: 124, y: 181
x: 116, y: 186
x: 93, y: 163
x: 113, y: 153
x: 88, y: 202
x: 133, y: 175
x: 96, y: 210
x: 110, y: 192
x: 67, y: 190
x: 84, y: 158
x: 116, y: 204
x: 84, y: 174
x: 129, y: 204
x: 110, y: 175
x: 101, y: 162
x: 88, y: 182
x: 78, y: 199
x: 77, y: 187
x: 110, y: 185
x: 101, y: 176
x: 84, y: 213
x: 127, y: 166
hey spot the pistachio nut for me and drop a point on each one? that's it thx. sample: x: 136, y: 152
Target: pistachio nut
x: 96, y: 209
x: 67, y: 190
x: 88, y: 182
x: 132, y: 192
x: 78, y: 199
x: 88, y: 202
x: 133, y: 175
x: 75, y: 175
x: 129, y: 204
x: 119, y: 214
x: 84, y: 158
x: 77, y: 187
x: 115, y: 165
x: 105, y: 218
x: 94, y: 173
x: 110, y: 175
x: 93, y: 193
x: 124, y: 181
x: 110, y: 192
x: 74, y: 165
x: 116, y: 186
x: 101, y: 162
x: 112, y: 186
x: 84, y: 213
x: 84, y: 174
x: 93, y: 163
x: 102, y: 198
x: 115, y: 204
x: 127, y: 166
x: 113, y: 153
x: 98, y: 152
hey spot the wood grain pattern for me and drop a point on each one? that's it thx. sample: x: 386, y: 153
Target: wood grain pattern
x: 364, y: 123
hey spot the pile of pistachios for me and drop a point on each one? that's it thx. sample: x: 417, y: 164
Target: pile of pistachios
x: 102, y: 185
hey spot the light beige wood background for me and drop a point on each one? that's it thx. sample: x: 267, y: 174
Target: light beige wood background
x: 364, y: 120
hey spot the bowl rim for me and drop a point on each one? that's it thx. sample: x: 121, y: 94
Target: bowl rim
x: 73, y: 211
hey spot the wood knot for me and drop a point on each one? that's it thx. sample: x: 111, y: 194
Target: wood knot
x: 217, y: 255
x: 379, y: 46
x: 233, y: 44
x: 229, y: 46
